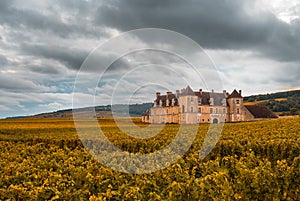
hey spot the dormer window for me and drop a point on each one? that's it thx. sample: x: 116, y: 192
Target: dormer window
x: 199, y: 100
x: 211, y: 101
x: 224, y: 102
x: 237, y: 101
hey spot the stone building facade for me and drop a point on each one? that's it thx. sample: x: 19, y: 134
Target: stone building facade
x: 192, y: 107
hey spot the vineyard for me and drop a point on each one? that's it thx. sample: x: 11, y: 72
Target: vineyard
x: 45, y: 160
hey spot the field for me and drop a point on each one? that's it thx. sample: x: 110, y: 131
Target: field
x: 263, y: 101
x: 45, y: 160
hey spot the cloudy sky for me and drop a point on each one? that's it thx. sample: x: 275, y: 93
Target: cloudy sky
x: 254, y: 45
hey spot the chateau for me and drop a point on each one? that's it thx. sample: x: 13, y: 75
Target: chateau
x: 193, y: 107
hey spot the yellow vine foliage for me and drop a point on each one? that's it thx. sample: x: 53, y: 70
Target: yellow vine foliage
x: 43, y: 159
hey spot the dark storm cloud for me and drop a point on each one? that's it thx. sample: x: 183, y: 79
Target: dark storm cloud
x: 71, y: 57
x: 44, y: 69
x: 283, y: 44
x: 35, y: 19
x: 215, y: 24
x: 14, y: 83
x: 29, y: 28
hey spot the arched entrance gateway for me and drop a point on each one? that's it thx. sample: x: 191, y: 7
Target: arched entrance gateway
x: 215, y: 121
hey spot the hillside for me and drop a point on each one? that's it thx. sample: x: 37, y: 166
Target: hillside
x: 101, y: 111
x: 284, y: 103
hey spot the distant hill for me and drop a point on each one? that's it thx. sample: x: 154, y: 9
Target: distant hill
x: 135, y: 110
x: 283, y: 103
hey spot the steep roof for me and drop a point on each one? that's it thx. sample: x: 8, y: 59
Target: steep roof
x: 187, y: 91
x: 205, y: 97
x: 260, y: 111
x: 235, y: 94
x: 164, y: 99
x: 218, y: 98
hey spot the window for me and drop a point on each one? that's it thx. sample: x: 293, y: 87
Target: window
x: 237, y: 102
x: 217, y: 110
x: 182, y: 108
x: 211, y: 110
x: 211, y: 101
x: 199, y: 110
x: 199, y: 100
x: 208, y: 120
x: 167, y: 111
x: 203, y: 120
x: 238, y: 111
x: 224, y: 102
x: 192, y: 109
x: 192, y: 99
x: 224, y: 111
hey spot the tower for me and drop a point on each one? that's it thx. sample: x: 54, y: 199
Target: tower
x: 188, y: 107
x: 236, y: 106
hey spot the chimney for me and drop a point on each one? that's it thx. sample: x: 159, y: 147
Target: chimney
x: 225, y: 94
x: 240, y: 92
x: 157, y: 94
x: 177, y: 93
x: 212, y: 91
x: 200, y: 90
x: 167, y: 98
